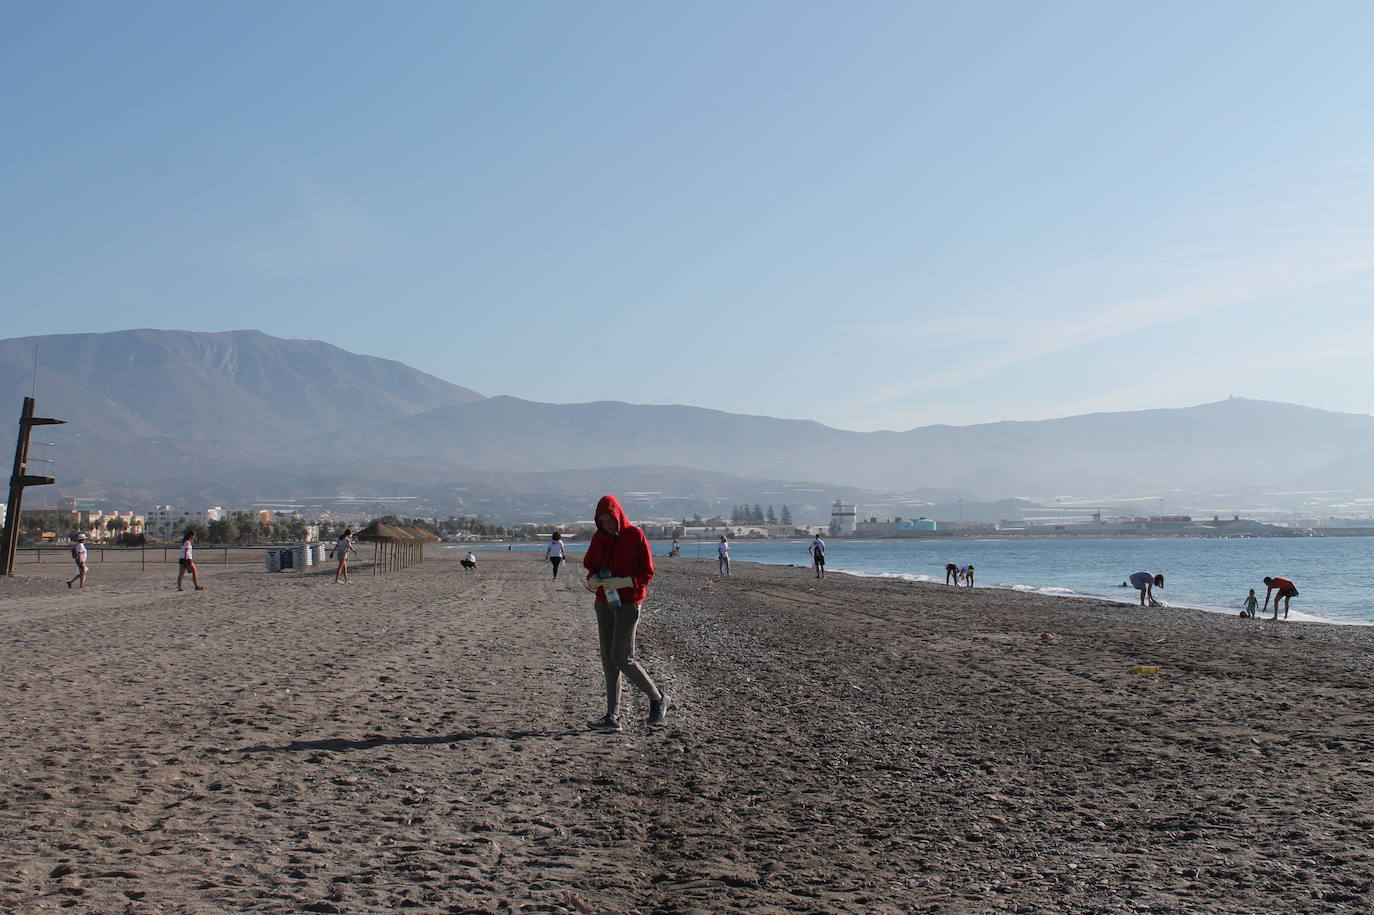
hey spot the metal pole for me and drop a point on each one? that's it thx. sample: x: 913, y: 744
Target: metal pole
x: 20, y: 478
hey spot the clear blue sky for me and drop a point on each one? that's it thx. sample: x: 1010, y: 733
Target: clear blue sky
x: 875, y: 215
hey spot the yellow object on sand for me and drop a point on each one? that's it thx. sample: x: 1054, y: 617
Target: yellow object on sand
x: 1145, y: 671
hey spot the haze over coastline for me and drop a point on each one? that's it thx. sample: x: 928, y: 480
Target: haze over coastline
x: 241, y: 417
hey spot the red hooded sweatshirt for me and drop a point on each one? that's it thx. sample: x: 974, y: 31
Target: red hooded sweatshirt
x: 627, y: 554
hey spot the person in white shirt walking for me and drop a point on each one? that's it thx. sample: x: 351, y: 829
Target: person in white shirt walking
x: 723, y: 553
x: 187, y: 561
x: 342, y: 547
x: 817, y: 549
x: 556, y: 552
x: 79, y: 556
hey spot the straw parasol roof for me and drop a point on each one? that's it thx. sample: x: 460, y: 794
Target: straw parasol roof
x: 377, y: 532
x: 422, y: 535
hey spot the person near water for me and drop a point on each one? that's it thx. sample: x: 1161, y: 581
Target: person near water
x: 677, y: 548
x: 951, y: 574
x: 1251, y: 603
x: 1145, y: 583
x: 723, y: 555
x: 967, y: 573
x: 187, y: 561
x: 469, y: 561
x: 79, y: 557
x: 619, y: 567
x: 556, y: 553
x: 817, y: 550
x: 1285, y: 589
x: 342, y: 547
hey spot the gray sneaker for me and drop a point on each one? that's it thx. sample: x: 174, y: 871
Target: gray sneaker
x: 658, y: 708
x: 605, y: 723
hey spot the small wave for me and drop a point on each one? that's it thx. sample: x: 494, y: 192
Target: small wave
x: 899, y: 576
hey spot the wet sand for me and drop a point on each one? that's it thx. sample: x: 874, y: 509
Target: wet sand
x: 277, y: 743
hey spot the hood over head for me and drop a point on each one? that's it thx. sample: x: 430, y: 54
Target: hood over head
x: 611, y: 504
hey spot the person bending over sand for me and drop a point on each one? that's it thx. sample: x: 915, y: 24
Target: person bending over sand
x: 619, y: 568
x: 1146, y: 583
x: 1286, y: 591
x: 967, y: 573
x: 951, y: 574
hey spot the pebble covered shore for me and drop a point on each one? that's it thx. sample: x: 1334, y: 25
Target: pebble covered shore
x: 417, y: 741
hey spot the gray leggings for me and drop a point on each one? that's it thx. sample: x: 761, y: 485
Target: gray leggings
x: 616, y: 626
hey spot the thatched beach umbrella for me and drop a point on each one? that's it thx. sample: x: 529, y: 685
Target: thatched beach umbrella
x: 422, y: 537
x: 390, y: 543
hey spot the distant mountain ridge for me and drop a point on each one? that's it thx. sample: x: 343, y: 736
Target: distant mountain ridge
x: 171, y: 415
x: 148, y: 404
x: 1224, y: 444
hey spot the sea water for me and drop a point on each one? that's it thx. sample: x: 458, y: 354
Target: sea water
x: 1334, y: 575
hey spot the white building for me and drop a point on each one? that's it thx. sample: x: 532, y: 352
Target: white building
x: 844, y: 519
x: 164, y: 522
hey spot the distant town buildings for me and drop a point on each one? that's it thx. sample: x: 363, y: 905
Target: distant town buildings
x: 875, y: 528
x: 102, y: 526
x: 163, y: 522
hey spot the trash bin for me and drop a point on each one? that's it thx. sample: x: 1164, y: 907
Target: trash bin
x: 303, y: 557
x: 286, y: 559
x: 273, y: 559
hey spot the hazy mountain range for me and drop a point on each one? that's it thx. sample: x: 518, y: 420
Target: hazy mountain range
x: 240, y: 416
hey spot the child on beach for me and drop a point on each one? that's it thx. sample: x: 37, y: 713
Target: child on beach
x: 619, y: 567
x: 1251, y: 604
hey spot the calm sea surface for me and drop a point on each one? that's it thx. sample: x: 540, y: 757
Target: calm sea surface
x: 1334, y: 576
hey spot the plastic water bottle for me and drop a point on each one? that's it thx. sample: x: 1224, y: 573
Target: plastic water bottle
x: 612, y: 594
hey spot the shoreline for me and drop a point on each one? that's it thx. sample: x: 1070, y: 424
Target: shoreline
x: 1300, y: 618
x: 1049, y: 590
x: 418, y: 740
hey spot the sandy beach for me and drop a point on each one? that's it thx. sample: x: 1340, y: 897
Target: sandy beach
x: 418, y: 741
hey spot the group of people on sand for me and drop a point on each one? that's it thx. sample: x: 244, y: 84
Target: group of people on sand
x: 816, y: 548
x: 1276, y: 586
x: 957, y: 575
x: 185, y: 562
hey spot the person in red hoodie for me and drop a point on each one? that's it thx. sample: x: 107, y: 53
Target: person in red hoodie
x: 620, y: 566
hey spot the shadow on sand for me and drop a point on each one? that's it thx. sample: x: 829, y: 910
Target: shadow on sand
x: 343, y: 745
